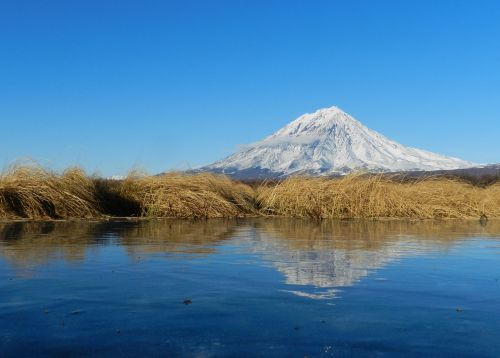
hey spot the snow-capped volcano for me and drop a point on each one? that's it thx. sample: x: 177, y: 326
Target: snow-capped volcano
x: 326, y: 142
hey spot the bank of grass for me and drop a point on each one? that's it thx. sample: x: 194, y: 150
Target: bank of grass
x: 379, y: 196
x: 31, y: 192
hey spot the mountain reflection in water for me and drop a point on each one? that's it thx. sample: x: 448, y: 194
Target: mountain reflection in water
x: 324, y: 255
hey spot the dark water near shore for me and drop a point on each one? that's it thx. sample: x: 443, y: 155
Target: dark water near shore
x: 250, y: 288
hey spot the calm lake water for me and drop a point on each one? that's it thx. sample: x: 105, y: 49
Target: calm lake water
x: 259, y: 287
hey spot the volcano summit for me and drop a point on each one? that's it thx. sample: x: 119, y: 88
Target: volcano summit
x: 328, y: 142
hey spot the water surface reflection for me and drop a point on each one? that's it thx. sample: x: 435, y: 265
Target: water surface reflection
x: 326, y: 254
x: 253, y: 287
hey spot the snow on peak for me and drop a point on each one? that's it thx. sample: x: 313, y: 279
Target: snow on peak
x: 330, y: 141
x: 321, y: 122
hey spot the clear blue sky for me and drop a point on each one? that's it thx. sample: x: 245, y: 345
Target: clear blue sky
x: 112, y: 85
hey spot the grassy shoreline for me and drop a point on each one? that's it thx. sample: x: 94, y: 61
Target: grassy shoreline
x: 31, y: 192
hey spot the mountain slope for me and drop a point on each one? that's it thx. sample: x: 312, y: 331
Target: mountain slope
x: 328, y: 142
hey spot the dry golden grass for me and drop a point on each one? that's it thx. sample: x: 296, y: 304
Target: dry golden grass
x: 188, y: 196
x: 34, y: 193
x: 363, y: 196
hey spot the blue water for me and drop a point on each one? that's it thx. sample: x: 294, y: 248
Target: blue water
x: 257, y: 287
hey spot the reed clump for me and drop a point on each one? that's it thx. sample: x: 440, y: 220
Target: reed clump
x: 35, y: 193
x: 378, y: 196
x: 188, y: 196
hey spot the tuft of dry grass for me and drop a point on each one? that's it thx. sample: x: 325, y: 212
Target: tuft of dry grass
x: 35, y: 193
x: 378, y: 196
x: 188, y: 196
